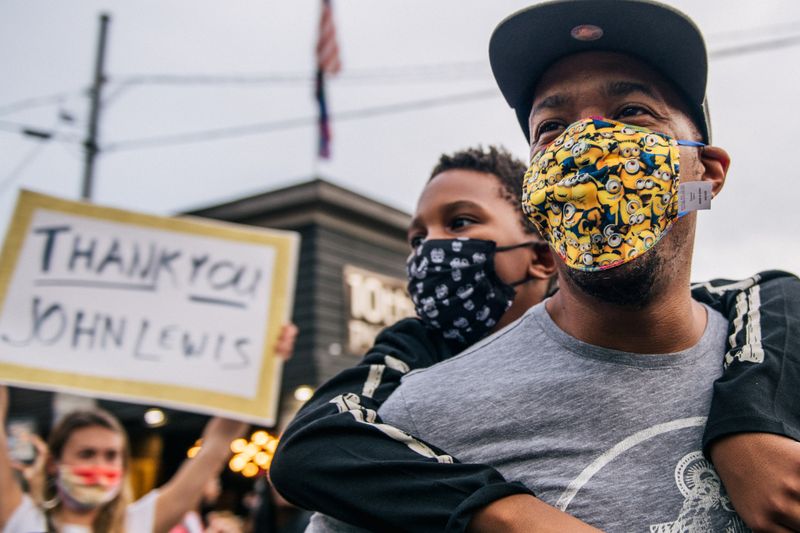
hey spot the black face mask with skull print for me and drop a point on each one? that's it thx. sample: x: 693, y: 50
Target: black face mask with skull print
x: 455, y: 288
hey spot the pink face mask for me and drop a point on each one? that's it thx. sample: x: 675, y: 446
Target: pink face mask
x: 88, y: 487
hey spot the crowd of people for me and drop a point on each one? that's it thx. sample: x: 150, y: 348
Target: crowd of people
x: 562, y: 373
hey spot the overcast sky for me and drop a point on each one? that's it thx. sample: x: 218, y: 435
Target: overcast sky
x: 260, y: 56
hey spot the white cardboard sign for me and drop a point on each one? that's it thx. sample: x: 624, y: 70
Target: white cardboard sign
x: 115, y: 304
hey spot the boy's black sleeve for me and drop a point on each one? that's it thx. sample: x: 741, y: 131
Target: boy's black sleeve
x: 338, y: 458
x: 757, y: 391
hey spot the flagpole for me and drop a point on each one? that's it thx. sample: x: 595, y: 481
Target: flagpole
x: 328, y: 63
x: 319, y: 96
x: 315, y: 162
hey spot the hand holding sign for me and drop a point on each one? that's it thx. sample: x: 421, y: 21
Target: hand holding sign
x: 285, y: 346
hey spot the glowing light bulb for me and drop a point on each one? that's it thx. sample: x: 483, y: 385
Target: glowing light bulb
x: 303, y: 393
x: 238, y: 462
x: 249, y: 470
x: 260, y: 438
x: 155, y: 417
x: 237, y: 446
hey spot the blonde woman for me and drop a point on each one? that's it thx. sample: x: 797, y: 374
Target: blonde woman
x: 87, y: 489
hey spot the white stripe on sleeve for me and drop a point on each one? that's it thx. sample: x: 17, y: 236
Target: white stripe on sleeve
x: 351, y: 403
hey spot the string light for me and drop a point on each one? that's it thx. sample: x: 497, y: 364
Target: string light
x: 249, y: 456
x: 155, y: 417
x: 303, y: 393
x: 194, y: 449
x: 238, y: 445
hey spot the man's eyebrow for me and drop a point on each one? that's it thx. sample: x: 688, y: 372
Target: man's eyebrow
x: 624, y: 88
x: 551, y: 102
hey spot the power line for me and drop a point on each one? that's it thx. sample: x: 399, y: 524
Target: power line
x: 414, y: 73
x: 48, y: 134
x: 738, y: 50
x: 22, y: 165
x: 29, y: 158
x: 771, y: 30
x: 431, y: 72
x: 292, y: 123
x: 39, y: 101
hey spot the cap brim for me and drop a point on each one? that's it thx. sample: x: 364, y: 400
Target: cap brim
x: 525, y: 44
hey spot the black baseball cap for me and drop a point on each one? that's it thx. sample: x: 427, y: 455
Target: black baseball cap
x: 526, y: 43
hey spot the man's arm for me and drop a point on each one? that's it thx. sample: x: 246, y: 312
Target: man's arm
x: 523, y: 513
x: 754, y: 422
x: 761, y: 472
x: 338, y: 459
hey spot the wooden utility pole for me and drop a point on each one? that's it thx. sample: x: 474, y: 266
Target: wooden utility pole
x: 94, y: 111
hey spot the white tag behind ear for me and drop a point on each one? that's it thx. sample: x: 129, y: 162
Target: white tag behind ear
x: 694, y: 196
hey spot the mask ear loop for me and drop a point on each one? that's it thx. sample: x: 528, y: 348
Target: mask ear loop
x: 532, y: 244
x: 696, y: 144
x: 691, y: 143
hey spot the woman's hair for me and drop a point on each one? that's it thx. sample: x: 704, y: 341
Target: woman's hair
x: 498, y: 161
x: 111, y: 518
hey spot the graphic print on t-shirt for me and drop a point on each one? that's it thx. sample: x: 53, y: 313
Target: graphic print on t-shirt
x: 704, y: 497
x: 690, y: 500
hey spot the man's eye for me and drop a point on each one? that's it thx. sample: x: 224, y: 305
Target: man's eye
x: 548, y: 128
x: 631, y: 111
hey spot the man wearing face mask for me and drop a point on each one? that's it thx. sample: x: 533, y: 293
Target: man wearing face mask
x: 596, y: 399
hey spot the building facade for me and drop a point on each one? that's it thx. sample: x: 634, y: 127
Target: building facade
x: 350, y: 278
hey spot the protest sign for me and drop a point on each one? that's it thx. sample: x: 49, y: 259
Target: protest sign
x: 114, y: 304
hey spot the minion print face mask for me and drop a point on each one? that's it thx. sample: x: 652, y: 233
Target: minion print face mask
x: 604, y: 192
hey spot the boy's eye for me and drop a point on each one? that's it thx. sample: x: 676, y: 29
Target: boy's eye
x: 461, y: 222
x: 415, y: 240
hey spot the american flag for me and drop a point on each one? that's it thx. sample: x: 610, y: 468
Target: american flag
x: 328, y: 62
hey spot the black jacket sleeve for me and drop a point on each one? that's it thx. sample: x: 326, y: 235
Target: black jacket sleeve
x: 758, y: 391
x: 336, y: 456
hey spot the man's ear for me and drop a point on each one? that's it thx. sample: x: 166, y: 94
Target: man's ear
x: 542, y: 264
x: 715, y: 162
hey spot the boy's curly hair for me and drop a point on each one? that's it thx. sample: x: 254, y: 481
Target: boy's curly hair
x: 494, y: 160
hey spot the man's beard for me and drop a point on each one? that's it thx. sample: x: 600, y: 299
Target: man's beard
x: 633, y: 284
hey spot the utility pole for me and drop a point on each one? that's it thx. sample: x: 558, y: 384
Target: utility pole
x: 94, y: 111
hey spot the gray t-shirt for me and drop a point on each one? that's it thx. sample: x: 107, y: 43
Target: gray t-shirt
x: 610, y: 437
